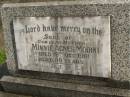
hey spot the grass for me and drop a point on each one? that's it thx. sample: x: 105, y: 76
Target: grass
x: 2, y: 56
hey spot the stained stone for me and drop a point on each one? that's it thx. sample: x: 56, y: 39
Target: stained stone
x: 67, y: 45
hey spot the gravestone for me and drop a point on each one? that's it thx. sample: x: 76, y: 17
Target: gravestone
x: 68, y: 49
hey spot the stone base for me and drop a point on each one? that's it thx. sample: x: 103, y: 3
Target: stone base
x: 45, y: 88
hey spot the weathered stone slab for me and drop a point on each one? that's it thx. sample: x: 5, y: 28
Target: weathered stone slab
x: 67, y: 45
x: 59, y: 89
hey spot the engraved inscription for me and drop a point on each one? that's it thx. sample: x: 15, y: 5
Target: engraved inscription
x: 67, y: 45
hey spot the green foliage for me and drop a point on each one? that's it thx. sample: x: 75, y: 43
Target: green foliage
x: 2, y: 56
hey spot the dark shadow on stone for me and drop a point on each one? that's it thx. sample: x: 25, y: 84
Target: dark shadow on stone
x: 1, y: 88
x: 3, y: 71
x: 14, y: 44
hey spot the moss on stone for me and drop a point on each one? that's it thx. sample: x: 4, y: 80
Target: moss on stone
x: 2, y: 56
